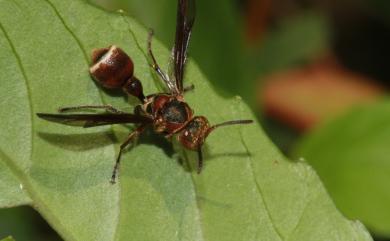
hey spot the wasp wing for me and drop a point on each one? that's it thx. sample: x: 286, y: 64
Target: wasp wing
x: 91, y: 120
x: 184, y: 22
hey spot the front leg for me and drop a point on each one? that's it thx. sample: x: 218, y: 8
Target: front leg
x: 189, y: 88
x: 200, y: 160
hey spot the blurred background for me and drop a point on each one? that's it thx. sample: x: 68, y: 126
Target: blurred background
x: 315, y: 72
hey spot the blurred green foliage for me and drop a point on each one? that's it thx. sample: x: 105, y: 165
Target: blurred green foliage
x: 352, y: 156
x: 24, y: 224
x: 8, y: 239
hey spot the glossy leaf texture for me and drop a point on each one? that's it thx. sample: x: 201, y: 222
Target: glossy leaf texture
x: 247, y: 191
x: 351, y: 155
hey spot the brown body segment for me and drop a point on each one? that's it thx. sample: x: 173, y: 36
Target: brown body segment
x: 112, y: 67
x: 194, y: 133
x: 169, y: 114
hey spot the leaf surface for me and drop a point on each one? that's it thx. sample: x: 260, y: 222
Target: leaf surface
x: 247, y: 191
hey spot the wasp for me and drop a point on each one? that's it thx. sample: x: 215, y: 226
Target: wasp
x: 167, y: 113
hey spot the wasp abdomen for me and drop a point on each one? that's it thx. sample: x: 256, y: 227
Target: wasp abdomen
x: 112, y: 67
x: 134, y: 87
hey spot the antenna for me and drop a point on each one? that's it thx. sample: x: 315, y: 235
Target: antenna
x: 228, y: 123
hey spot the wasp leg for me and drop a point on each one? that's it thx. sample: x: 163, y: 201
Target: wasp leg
x: 200, y: 160
x: 108, y: 108
x: 154, y: 64
x: 129, y: 138
x: 189, y: 88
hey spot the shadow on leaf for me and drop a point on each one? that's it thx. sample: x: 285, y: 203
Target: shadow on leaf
x: 80, y: 142
x: 69, y: 180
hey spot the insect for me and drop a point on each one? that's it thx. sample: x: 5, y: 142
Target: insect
x: 167, y: 113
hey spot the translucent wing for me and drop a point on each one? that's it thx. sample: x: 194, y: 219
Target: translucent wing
x: 91, y: 120
x: 184, y: 22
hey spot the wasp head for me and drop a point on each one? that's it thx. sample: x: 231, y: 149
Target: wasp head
x: 194, y: 133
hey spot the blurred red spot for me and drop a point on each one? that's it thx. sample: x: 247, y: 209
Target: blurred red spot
x: 303, y: 97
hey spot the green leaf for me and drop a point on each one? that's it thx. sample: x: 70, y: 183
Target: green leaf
x: 12, y: 192
x: 8, y: 239
x: 247, y: 191
x: 351, y: 155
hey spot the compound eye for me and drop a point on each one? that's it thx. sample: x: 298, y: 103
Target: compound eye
x: 191, y: 131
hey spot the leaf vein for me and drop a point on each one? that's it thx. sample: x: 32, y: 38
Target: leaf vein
x: 26, y: 83
x: 85, y: 55
x: 299, y: 220
x: 37, y: 204
x: 259, y: 190
x: 133, y: 34
x: 69, y: 30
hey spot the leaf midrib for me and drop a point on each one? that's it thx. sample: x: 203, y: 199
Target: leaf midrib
x: 26, y: 84
x: 259, y: 189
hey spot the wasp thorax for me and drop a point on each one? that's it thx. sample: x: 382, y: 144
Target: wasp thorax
x: 194, y: 133
x: 175, y: 111
x: 171, y: 114
x: 112, y: 67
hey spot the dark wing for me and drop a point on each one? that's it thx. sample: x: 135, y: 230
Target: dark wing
x: 184, y: 22
x: 90, y: 120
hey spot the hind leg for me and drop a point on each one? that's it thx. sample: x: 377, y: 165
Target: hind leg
x: 129, y: 139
